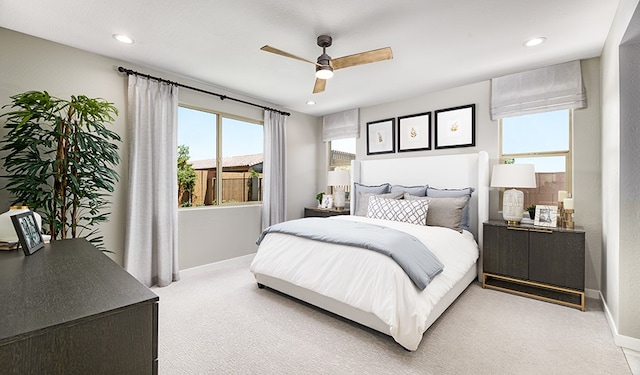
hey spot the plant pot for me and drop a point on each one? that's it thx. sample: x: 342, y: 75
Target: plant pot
x: 532, y: 215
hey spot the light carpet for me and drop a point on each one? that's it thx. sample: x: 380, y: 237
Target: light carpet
x: 219, y: 322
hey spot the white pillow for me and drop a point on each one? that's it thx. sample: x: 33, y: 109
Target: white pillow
x: 407, y: 211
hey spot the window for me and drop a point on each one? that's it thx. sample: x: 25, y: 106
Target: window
x: 341, y: 152
x: 216, y: 142
x: 542, y: 139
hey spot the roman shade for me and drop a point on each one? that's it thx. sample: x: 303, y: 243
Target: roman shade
x: 551, y: 88
x: 341, y: 125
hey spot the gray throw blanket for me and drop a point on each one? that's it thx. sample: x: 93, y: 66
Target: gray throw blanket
x: 420, y: 264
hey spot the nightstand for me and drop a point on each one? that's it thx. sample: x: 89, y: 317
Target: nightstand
x: 324, y: 212
x: 538, y: 262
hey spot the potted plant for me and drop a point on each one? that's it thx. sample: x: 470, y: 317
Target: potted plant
x: 319, y: 198
x: 532, y: 211
x: 60, y: 159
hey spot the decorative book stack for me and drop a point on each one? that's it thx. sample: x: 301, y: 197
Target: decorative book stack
x: 9, y: 245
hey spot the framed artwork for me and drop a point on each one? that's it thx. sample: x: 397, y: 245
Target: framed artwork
x: 381, y: 136
x: 546, y: 216
x: 456, y: 127
x: 28, y: 232
x: 414, y: 132
x: 327, y: 201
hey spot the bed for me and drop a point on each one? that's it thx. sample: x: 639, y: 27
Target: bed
x: 368, y: 287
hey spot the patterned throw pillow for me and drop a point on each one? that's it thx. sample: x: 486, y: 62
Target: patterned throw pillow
x: 413, y: 211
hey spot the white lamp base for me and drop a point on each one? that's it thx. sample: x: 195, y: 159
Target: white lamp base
x: 512, y: 206
x: 338, y: 197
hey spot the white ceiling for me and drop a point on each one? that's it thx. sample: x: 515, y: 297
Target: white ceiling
x: 436, y: 44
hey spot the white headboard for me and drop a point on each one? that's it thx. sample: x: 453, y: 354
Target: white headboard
x: 440, y: 171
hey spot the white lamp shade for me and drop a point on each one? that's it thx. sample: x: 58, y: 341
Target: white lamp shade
x: 338, y: 178
x: 513, y: 176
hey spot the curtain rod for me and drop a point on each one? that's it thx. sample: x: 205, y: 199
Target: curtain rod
x: 222, y: 97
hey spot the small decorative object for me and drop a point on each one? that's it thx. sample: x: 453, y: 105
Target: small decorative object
x: 546, y: 216
x: 532, y: 211
x: 339, y: 179
x: 456, y: 127
x: 327, y: 201
x: 513, y: 176
x: 414, y: 132
x: 319, y: 198
x: 381, y: 136
x: 562, y: 194
x: 568, y: 213
x: 28, y: 232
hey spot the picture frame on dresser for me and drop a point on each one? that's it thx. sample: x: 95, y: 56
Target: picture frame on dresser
x: 455, y: 127
x: 28, y: 232
x: 381, y: 136
x: 414, y: 132
x: 546, y: 216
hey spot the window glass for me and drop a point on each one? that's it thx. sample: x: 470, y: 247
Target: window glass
x: 540, y: 132
x: 544, y: 140
x: 341, y: 152
x: 242, y: 157
x: 238, y: 152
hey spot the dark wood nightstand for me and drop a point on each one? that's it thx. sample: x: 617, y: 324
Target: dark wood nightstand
x: 538, y: 262
x: 324, y: 212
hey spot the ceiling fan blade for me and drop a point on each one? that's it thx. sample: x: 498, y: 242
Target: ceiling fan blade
x: 285, y: 54
x: 319, y: 86
x: 362, y: 58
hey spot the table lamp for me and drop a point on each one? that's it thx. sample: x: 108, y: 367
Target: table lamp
x: 511, y: 176
x: 339, y: 180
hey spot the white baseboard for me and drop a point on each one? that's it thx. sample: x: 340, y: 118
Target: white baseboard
x: 206, y: 268
x: 592, y: 293
x: 620, y: 340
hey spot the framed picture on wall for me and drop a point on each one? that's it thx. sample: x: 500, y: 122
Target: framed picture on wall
x: 456, y: 127
x: 414, y: 132
x: 381, y: 136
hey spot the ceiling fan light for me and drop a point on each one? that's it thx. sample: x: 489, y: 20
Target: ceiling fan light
x: 324, y: 72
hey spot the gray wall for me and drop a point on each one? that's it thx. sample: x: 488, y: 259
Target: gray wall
x: 620, y: 137
x: 586, y: 135
x: 29, y: 63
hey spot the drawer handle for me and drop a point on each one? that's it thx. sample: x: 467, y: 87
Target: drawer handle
x: 542, y: 230
x: 516, y: 228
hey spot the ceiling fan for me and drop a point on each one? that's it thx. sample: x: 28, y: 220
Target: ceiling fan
x: 325, y: 65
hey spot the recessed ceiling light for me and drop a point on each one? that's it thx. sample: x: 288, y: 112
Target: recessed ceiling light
x: 534, y: 41
x: 310, y: 102
x: 123, y: 38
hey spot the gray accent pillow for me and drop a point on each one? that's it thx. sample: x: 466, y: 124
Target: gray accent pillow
x: 444, y: 212
x: 363, y: 201
x: 454, y: 193
x: 420, y: 190
x: 360, y: 188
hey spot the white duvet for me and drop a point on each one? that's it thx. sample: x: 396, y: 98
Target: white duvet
x: 368, y: 280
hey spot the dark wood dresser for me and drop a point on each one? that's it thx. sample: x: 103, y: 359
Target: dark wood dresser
x: 543, y: 263
x: 69, y: 309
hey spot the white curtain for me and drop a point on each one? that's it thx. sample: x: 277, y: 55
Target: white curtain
x: 345, y: 124
x: 151, y: 240
x: 274, y: 196
x: 546, y: 89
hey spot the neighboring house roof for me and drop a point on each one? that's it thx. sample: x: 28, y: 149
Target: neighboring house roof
x: 232, y: 161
